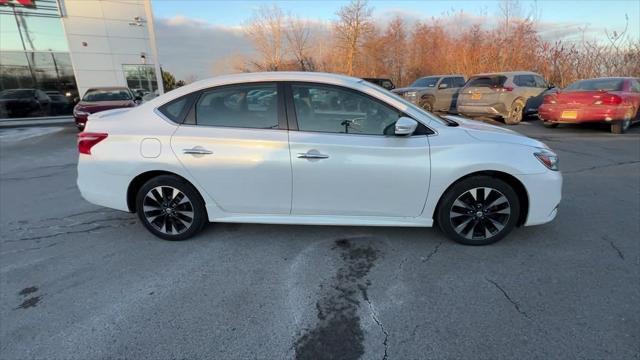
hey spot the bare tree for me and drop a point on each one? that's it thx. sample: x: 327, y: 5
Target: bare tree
x: 267, y: 32
x: 353, y: 23
x: 299, y: 40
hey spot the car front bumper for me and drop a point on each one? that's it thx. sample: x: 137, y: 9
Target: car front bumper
x: 545, y: 193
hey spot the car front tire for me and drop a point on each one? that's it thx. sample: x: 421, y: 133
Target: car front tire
x: 479, y: 210
x: 171, y: 208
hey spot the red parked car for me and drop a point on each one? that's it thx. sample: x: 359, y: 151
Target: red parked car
x: 100, y: 99
x: 613, y: 100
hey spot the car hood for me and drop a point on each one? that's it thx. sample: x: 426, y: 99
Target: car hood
x: 92, y: 107
x: 492, y: 133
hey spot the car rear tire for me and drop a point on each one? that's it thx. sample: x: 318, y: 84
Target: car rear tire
x: 479, y: 210
x: 516, y: 113
x: 549, y: 124
x: 171, y: 208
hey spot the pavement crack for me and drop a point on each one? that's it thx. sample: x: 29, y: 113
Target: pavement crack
x: 620, y: 163
x: 433, y: 252
x: 386, y: 334
x: 63, y: 233
x: 614, y: 247
x: 506, y: 295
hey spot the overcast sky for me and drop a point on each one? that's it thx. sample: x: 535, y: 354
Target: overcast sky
x: 196, y: 36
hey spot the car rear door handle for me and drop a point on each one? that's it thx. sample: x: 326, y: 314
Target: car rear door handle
x: 312, y: 155
x: 197, y: 151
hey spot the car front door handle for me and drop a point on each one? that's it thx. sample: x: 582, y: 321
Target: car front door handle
x: 197, y: 151
x: 311, y: 154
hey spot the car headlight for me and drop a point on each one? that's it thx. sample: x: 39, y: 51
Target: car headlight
x: 548, y: 158
x: 410, y: 94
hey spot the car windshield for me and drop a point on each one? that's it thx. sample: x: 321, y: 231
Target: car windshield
x: 107, y: 95
x: 597, y: 84
x: 487, y: 81
x: 13, y: 94
x: 426, y: 82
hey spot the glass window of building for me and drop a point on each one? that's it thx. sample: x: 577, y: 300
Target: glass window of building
x: 36, y: 75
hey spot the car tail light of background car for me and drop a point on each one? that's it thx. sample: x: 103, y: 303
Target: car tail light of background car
x: 503, y: 89
x: 609, y: 99
x: 549, y: 99
x: 86, y: 140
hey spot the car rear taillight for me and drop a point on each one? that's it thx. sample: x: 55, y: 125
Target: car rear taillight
x: 609, y: 99
x: 86, y: 140
x: 503, y: 89
x: 549, y: 99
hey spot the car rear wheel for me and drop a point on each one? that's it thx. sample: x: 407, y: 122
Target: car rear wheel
x: 171, y: 208
x: 515, y: 115
x: 478, y: 211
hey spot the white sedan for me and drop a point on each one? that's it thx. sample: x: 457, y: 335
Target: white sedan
x: 316, y: 149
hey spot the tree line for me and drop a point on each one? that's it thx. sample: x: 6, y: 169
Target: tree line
x: 355, y: 45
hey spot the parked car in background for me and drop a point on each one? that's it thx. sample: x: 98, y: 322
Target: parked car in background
x: 15, y: 103
x: 501, y: 95
x: 434, y: 93
x: 613, y: 100
x: 382, y: 82
x: 60, y: 104
x: 319, y: 153
x: 100, y: 99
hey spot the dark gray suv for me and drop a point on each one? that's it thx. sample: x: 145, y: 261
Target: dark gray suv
x: 434, y: 93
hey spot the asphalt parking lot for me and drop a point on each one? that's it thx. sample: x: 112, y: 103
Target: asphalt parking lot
x: 82, y: 282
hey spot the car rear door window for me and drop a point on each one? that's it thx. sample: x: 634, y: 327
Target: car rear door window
x: 524, y: 80
x: 244, y: 106
x: 458, y: 82
x: 321, y: 108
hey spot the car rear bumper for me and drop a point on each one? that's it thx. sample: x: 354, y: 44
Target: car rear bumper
x: 101, y: 187
x: 572, y: 114
x: 483, y: 110
x: 545, y: 193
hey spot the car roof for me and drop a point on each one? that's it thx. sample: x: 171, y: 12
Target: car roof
x: 273, y: 76
x: 609, y: 78
x: 507, y: 73
x: 428, y: 76
x: 108, y: 88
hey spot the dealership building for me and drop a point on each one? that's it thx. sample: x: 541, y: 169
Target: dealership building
x: 52, y: 51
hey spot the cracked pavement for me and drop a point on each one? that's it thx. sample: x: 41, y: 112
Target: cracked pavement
x: 82, y: 282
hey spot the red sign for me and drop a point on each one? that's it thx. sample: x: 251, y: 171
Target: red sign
x: 17, y: 2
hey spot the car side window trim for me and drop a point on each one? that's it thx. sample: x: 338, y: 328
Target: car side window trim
x: 292, y: 118
x: 191, y: 118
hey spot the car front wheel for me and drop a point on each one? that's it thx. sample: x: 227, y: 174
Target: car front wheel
x: 171, y: 208
x: 478, y: 211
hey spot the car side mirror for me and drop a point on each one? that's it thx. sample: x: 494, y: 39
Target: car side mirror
x: 442, y: 86
x: 405, y: 126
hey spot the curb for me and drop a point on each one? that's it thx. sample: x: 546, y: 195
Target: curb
x: 27, y: 122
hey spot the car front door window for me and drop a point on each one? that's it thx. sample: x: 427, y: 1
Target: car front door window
x: 321, y: 108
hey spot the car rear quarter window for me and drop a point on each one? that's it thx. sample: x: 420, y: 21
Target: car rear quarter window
x: 175, y: 109
x: 635, y: 86
x: 458, y: 82
x: 252, y: 106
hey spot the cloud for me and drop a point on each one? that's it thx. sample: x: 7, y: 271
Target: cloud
x: 191, y: 47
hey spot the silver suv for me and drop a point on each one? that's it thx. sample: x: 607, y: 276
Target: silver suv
x: 434, y: 93
x: 504, y: 95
